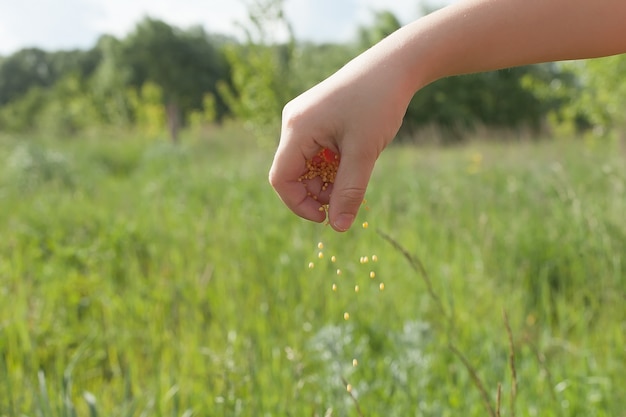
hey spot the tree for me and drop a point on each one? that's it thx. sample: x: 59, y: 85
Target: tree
x: 22, y: 71
x: 262, y: 68
x: 183, y: 64
x: 598, y: 98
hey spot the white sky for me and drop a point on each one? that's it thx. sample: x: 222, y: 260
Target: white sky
x: 67, y: 24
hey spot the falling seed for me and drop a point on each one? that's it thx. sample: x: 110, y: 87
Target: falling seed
x: 311, y: 265
x: 346, y: 316
x: 381, y: 286
x: 339, y: 272
x: 320, y: 245
x: 372, y: 274
x: 356, y: 288
x: 333, y: 258
x: 335, y: 287
x: 320, y: 255
x: 355, y: 363
x: 374, y: 258
x: 365, y: 224
x: 349, y: 387
x: 366, y: 259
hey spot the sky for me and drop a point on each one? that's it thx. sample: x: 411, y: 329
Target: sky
x: 69, y: 24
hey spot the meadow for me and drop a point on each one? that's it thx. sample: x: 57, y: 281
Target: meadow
x: 139, y: 278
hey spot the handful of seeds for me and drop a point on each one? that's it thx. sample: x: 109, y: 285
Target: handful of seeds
x: 323, y: 165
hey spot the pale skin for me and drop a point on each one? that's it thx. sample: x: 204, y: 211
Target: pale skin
x: 359, y: 109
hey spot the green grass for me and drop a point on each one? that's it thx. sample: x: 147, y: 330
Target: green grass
x: 138, y: 278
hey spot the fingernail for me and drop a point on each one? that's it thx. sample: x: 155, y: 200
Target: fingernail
x: 343, y: 222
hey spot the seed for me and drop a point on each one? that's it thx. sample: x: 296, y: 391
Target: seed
x: 381, y: 286
x: 349, y: 387
x: 320, y: 245
x: 346, y: 316
x: 320, y: 255
x: 364, y: 259
x: 335, y: 287
x: 374, y: 258
x: 355, y: 362
x: 323, y: 165
x: 311, y: 265
x: 372, y: 274
x: 356, y: 288
x: 365, y: 225
x: 339, y: 272
x: 333, y: 258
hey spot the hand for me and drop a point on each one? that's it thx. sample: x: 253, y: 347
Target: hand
x: 354, y: 113
x: 358, y: 110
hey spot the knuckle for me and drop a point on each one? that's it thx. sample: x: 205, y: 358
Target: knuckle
x: 351, y: 196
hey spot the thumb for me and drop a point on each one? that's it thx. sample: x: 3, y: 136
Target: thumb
x: 349, y: 188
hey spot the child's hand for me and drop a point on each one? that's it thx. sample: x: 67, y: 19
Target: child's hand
x: 354, y: 113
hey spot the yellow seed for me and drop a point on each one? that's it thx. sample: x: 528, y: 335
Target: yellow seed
x: 320, y: 245
x: 333, y: 258
x: 355, y: 362
x: 349, y: 387
x: 346, y: 316
x: 356, y: 288
x: 372, y: 274
x: 320, y: 255
x: 366, y: 259
x: 321, y: 208
x: 334, y: 287
x: 339, y: 272
x: 374, y: 258
x: 365, y: 224
x: 381, y: 286
x: 311, y: 265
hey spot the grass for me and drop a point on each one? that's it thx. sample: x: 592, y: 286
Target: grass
x: 138, y: 278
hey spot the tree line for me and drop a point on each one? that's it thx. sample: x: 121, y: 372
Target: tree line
x: 163, y: 78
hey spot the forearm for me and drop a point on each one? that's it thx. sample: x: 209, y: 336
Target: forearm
x: 481, y: 35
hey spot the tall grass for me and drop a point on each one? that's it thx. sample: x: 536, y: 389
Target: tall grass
x: 138, y: 278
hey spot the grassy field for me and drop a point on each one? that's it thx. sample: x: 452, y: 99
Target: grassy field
x: 142, y: 279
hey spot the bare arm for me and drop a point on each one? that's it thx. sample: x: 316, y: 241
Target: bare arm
x: 359, y: 109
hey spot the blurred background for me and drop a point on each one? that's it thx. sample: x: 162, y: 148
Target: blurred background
x: 149, y: 66
x: 147, y: 268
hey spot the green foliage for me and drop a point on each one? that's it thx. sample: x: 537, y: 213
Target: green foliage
x: 204, y: 78
x: 71, y: 91
x: 600, y: 97
x: 184, y: 64
x: 22, y: 71
x: 148, y: 110
x: 496, y: 100
x: 312, y: 63
x: 589, y: 96
x: 261, y: 70
x: 142, y: 278
x: 385, y: 23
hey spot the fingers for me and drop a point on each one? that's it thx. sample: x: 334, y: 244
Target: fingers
x: 288, y: 166
x: 350, y: 185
